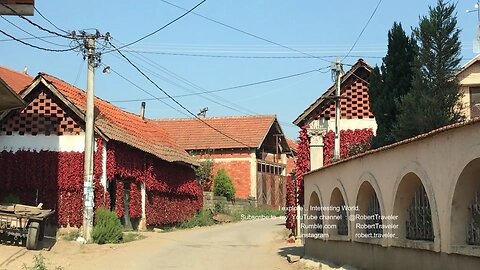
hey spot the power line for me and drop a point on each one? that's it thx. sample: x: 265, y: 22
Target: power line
x: 235, y: 87
x: 239, y: 56
x: 32, y: 35
x: 51, y: 23
x: 37, y: 47
x: 247, y: 33
x: 159, y: 29
x: 147, y: 92
x: 27, y: 38
x: 364, y: 27
x: 37, y: 25
x: 173, y: 99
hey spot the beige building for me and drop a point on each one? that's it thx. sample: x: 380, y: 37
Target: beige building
x: 411, y: 205
x: 469, y: 80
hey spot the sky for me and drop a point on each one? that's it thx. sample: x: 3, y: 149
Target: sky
x: 326, y: 29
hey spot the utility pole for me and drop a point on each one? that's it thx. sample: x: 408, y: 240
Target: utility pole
x: 337, y: 68
x: 87, y: 42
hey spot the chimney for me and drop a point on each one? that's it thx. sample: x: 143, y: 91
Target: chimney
x: 142, y: 110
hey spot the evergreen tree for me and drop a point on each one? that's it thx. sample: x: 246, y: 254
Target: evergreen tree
x: 390, y: 83
x: 434, y: 100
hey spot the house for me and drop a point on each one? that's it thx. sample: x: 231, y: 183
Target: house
x: 140, y: 172
x: 469, y: 80
x: 354, y: 110
x: 252, y: 149
x: 356, y: 123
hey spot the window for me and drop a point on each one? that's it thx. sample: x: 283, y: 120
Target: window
x: 474, y: 99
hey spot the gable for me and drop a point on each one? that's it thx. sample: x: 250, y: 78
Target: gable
x: 45, y: 114
x: 354, y: 86
x: 357, y: 106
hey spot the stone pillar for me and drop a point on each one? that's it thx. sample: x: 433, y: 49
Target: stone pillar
x: 316, y: 132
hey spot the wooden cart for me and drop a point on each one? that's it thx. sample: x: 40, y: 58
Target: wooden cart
x: 25, y: 222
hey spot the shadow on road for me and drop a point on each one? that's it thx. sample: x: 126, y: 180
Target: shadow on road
x: 293, y: 250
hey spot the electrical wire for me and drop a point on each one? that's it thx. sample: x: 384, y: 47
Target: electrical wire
x: 37, y: 47
x: 247, y: 33
x: 27, y: 38
x: 50, y: 22
x: 363, y: 30
x: 32, y: 35
x: 240, y: 56
x: 37, y: 25
x: 234, y: 87
x: 147, y: 92
x: 173, y: 99
x: 159, y: 29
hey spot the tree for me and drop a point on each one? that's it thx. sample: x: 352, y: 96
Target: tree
x: 204, y: 174
x: 434, y: 100
x: 390, y: 83
x: 223, y: 186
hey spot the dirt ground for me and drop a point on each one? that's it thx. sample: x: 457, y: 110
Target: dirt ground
x: 258, y: 244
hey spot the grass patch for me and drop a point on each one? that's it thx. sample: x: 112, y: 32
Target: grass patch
x: 129, y: 237
x: 39, y: 264
x: 202, y: 218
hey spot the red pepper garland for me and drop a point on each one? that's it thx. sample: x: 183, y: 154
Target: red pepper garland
x: 56, y: 180
x: 52, y: 178
x: 173, y: 193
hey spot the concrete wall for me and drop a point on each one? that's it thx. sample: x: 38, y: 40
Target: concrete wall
x: 64, y: 143
x: 446, y: 164
x: 354, y: 124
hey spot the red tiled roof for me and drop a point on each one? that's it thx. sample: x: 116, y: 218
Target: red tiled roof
x: 16, y: 80
x: 292, y: 144
x: 190, y: 133
x: 143, y: 134
x: 129, y: 128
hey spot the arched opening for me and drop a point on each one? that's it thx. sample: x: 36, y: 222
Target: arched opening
x: 368, y: 207
x: 465, y: 215
x: 338, y: 208
x: 315, y: 220
x: 412, y: 206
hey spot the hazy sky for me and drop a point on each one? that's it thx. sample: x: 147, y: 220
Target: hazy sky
x: 321, y: 28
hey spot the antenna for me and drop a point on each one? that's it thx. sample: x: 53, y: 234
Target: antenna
x: 476, y: 41
x: 203, y: 112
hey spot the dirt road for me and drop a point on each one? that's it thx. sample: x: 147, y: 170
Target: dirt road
x: 249, y: 245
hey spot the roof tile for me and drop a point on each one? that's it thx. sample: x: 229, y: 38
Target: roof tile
x: 191, y: 134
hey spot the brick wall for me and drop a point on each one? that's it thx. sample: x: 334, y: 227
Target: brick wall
x: 239, y: 172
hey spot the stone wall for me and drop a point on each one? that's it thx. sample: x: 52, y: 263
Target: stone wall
x: 209, y: 201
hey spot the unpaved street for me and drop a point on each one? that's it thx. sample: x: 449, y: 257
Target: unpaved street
x: 244, y: 245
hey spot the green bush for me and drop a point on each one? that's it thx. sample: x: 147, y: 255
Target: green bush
x: 108, y: 228
x: 202, y: 218
x: 223, y: 185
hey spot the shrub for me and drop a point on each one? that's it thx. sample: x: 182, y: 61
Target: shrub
x: 223, y: 185
x: 202, y: 218
x: 204, y: 174
x: 108, y: 228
